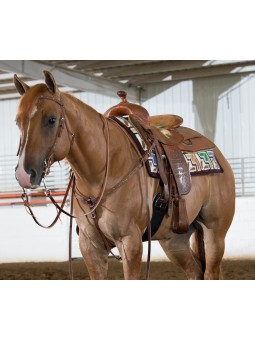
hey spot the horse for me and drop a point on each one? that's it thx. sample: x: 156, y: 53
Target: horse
x: 56, y: 126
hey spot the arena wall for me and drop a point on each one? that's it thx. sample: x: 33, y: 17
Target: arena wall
x: 22, y: 240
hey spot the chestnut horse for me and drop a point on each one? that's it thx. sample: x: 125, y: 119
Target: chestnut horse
x: 56, y: 125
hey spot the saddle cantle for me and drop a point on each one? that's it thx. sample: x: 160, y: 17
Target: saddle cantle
x: 170, y: 140
x: 168, y: 122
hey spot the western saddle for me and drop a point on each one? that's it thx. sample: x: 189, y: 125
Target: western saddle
x: 170, y: 139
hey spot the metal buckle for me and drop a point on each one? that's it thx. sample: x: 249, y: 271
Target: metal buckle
x: 160, y: 203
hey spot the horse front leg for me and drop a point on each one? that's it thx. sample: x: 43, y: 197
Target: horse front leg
x: 95, y: 257
x: 130, y: 248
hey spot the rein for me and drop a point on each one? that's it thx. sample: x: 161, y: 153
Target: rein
x: 91, y: 202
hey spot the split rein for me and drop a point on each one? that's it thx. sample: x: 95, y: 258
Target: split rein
x: 91, y: 202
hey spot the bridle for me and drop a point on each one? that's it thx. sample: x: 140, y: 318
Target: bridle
x: 48, y: 162
x: 91, y: 202
x: 62, y: 123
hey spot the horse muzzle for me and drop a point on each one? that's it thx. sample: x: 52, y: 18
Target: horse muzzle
x: 28, y: 180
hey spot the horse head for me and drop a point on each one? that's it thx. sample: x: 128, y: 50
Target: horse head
x: 44, y: 135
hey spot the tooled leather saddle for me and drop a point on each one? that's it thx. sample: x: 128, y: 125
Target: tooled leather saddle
x: 170, y: 140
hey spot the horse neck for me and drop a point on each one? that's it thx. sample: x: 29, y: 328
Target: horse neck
x: 88, y: 154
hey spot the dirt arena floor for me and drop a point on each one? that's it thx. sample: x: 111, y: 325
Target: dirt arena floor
x: 232, y: 270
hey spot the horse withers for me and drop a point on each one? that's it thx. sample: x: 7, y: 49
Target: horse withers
x: 111, y: 182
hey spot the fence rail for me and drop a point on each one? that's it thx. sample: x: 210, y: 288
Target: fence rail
x: 244, y: 171
x: 57, y: 180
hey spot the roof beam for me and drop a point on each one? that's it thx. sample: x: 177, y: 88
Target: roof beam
x: 153, y: 67
x: 71, y: 78
x: 96, y: 65
x: 186, y: 74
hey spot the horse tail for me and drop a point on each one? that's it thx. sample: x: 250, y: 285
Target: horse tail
x: 199, y: 244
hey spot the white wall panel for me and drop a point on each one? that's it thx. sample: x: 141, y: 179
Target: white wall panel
x: 227, y: 102
x: 176, y: 100
x: 235, y: 126
x: 9, y: 135
x: 99, y: 102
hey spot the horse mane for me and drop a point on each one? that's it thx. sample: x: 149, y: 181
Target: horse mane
x: 78, y: 102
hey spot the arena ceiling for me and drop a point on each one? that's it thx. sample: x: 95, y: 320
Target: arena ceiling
x: 108, y: 76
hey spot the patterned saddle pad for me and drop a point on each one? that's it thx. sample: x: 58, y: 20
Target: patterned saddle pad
x: 200, y: 162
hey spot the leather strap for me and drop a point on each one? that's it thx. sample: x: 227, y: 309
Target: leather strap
x: 179, y: 168
x: 70, y: 262
x: 60, y: 209
x: 162, y: 172
x: 179, y: 222
x: 71, y: 185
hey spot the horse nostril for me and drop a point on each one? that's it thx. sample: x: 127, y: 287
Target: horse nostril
x: 33, y: 173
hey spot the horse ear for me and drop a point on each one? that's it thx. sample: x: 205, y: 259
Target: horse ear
x: 50, y: 82
x: 20, y: 85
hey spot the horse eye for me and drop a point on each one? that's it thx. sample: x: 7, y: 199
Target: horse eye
x: 52, y: 121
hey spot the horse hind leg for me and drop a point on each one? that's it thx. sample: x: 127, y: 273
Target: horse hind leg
x: 215, y: 230
x: 214, y: 251
x: 178, y: 250
x: 197, y: 245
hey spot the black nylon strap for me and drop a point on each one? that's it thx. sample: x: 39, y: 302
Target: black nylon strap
x: 159, y: 210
